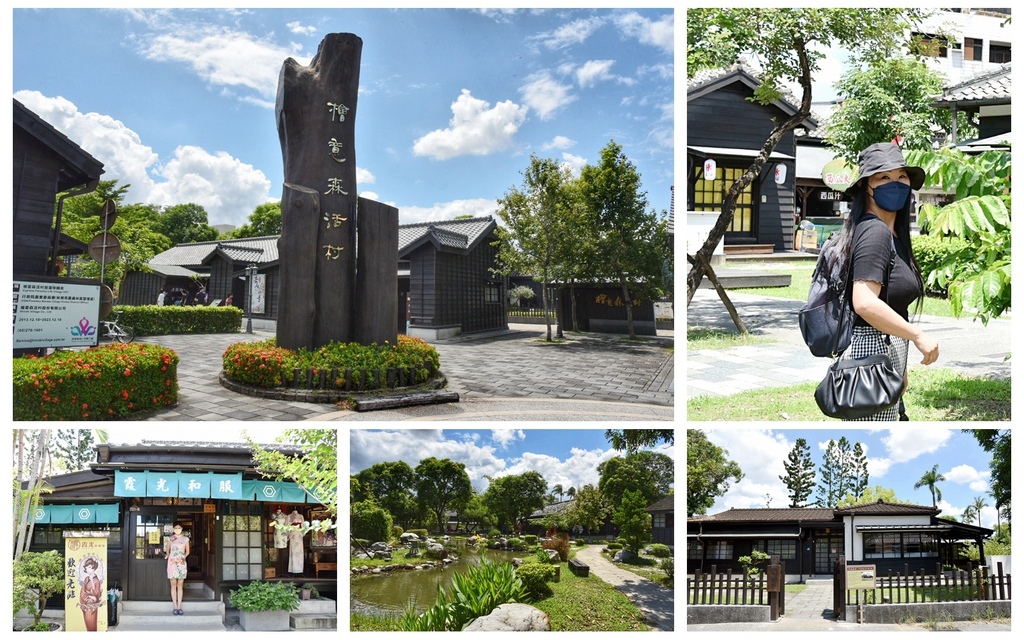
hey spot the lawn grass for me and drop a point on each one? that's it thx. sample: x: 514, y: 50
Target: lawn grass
x: 701, y: 338
x: 934, y: 394
x: 589, y: 604
x: 647, y: 569
x: 363, y: 622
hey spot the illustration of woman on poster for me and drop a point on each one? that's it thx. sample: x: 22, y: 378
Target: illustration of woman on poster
x: 90, y: 598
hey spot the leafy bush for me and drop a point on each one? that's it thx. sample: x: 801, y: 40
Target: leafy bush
x: 422, y: 533
x: 266, y: 596
x: 44, y: 574
x: 367, y: 520
x: 493, y: 534
x: 264, y: 364
x: 661, y: 551
x: 471, y: 595
x: 530, y: 539
x: 396, y: 532
x: 535, y: 577
x: 151, y: 320
x: 668, y: 565
x: 109, y: 381
x: 580, y: 542
x: 933, y: 252
x: 613, y: 546
x: 516, y: 544
x: 561, y: 545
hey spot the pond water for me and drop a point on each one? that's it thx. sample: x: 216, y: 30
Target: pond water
x: 390, y: 594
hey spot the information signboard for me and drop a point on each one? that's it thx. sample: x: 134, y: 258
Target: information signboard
x: 860, y: 576
x: 56, y: 312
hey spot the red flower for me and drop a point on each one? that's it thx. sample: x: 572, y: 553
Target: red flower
x: 127, y: 371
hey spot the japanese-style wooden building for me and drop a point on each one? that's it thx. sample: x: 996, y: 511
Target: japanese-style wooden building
x: 809, y: 540
x: 725, y: 126
x: 136, y: 493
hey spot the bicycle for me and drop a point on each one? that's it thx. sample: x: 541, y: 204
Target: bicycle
x: 114, y: 331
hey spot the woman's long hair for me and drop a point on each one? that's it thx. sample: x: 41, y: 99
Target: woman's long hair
x: 858, y: 210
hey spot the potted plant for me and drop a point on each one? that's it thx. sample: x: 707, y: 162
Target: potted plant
x: 37, y: 576
x: 309, y: 591
x: 265, y: 606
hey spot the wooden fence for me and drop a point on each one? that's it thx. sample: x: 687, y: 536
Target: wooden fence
x: 918, y: 586
x: 724, y: 588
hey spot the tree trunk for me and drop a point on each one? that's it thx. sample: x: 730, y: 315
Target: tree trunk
x: 29, y: 497
x: 629, y: 307
x: 729, y: 306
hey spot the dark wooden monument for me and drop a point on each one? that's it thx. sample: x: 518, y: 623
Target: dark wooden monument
x: 338, y: 252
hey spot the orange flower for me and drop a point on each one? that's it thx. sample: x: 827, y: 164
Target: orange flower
x: 127, y: 371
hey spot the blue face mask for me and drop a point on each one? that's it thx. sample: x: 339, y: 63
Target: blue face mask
x: 891, y: 196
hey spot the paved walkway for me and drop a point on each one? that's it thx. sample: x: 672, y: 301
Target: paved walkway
x: 655, y: 601
x: 505, y: 376
x: 964, y: 345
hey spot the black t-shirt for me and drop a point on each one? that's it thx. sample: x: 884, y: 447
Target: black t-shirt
x: 872, y: 249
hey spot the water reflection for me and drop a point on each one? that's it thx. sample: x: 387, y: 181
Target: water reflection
x: 390, y: 594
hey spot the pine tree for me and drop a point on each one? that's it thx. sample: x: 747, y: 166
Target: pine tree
x: 799, y: 478
x: 860, y: 470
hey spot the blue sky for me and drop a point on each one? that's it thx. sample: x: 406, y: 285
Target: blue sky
x: 563, y: 456
x: 897, y: 458
x: 180, y: 103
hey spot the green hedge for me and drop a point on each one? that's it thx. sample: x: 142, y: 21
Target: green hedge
x: 661, y: 550
x: 932, y: 252
x: 151, y: 320
x: 109, y: 381
x: 535, y: 578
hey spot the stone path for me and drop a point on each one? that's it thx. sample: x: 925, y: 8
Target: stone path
x: 655, y: 601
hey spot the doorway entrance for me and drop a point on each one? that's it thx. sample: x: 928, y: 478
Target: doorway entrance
x: 827, y: 549
x: 147, y: 564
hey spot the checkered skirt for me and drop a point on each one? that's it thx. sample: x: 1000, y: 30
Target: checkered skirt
x: 869, y: 341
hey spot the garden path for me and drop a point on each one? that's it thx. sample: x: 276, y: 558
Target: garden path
x: 655, y: 601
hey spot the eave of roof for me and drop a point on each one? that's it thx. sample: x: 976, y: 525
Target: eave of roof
x: 85, y: 167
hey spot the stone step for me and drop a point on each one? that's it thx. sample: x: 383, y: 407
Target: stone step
x: 312, y: 621
x: 166, y: 621
x: 748, y: 249
x: 136, y: 607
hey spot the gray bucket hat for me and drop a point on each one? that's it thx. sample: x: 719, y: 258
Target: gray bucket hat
x: 886, y: 156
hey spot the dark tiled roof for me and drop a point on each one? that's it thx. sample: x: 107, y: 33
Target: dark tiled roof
x: 458, y: 235
x: 882, y: 508
x: 158, y: 445
x: 707, y: 80
x: 193, y: 254
x: 989, y: 87
x: 768, y: 515
x: 665, y: 504
x: 557, y: 507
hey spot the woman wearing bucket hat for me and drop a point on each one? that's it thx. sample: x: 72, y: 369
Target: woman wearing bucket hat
x: 879, y: 220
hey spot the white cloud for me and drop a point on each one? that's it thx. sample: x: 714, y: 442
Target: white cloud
x: 364, y: 176
x: 505, y: 437
x: 475, y: 129
x: 593, y: 71
x: 447, y: 210
x: 576, y: 32
x: 908, y: 444
x: 575, y: 163
x: 545, y: 95
x: 579, y: 469
x: 227, y: 188
x: 761, y: 478
x: 297, y: 28
x: 559, y: 142
x: 660, y: 34
x: 220, y: 56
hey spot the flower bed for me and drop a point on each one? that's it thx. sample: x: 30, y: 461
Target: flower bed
x: 110, y: 381
x: 349, y: 367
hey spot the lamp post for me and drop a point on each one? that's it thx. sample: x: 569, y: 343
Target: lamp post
x: 250, y: 277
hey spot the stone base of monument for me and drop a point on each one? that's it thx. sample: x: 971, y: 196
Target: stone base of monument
x: 429, y: 392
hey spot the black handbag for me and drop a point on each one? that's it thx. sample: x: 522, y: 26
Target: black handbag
x: 859, y: 387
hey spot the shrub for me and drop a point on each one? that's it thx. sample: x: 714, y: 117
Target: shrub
x: 613, y: 546
x: 530, y: 539
x: 422, y: 533
x: 261, y: 364
x: 661, y: 551
x: 109, y: 381
x: 932, y: 252
x: 472, y: 594
x: 535, y: 579
x: 367, y: 520
x: 151, y: 320
x: 494, y: 533
x: 580, y: 542
x: 265, y: 596
x: 396, y: 532
x: 516, y: 544
x: 668, y: 565
x: 43, y: 573
x: 559, y: 544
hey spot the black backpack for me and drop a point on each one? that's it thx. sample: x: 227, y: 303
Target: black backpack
x: 826, y: 321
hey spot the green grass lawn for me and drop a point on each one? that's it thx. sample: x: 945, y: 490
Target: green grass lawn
x: 589, y: 604
x: 940, y: 395
x: 647, y: 568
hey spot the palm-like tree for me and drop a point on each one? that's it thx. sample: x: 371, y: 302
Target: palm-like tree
x: 968, y: 514
x: 930, y: 479
x: 979, y: 504
x: 571, y: 492
x: 557, y: 490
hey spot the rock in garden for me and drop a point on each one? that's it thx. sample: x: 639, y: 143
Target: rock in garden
x: 552, y: 555
x: 512, y: 616
x: 623, y: 555
x: 409, y: 537
x: 380, y: 546
x: 436, y: 551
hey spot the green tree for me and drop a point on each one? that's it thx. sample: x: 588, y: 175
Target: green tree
x: 512, y: 498
x: 931, y: 479
x: 475, y: 512
x: 393, y: 486
x: 517, y: 294
x: 184, y: 223
x: 871, y: 495
x: 860, y: 469
x: 968, y: 514
x: 799, y: 478
x: 790, y: 44
x: 840, y: 473
x: 557, y: 490
x: 892, y: 98
x: 441, y: 485
x: 589, y: 509
x: 708, y: 472
x: 633, y: 520
x: 997, y: 442
x: 632, y: 440
x: 73, y: 448
x: 534, y: 233
x: 650, y: 475
x: 571, y: 492
x: 978, y: 275
x: 368, y: 521
x: 631, y: 240
x: 265, y: 220
x: 314, y: 467
x: 978, y: 504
